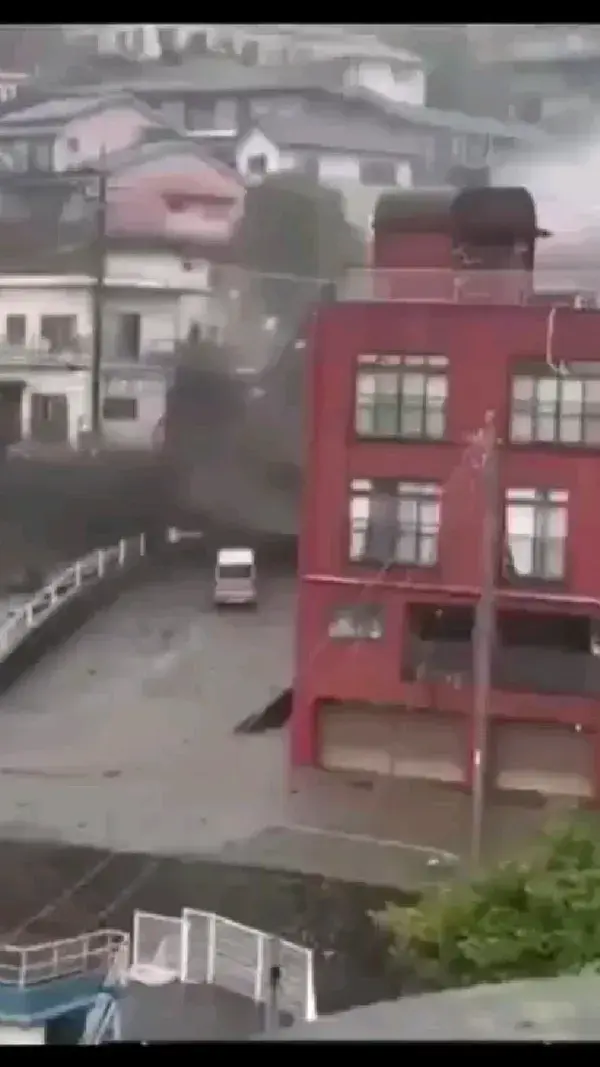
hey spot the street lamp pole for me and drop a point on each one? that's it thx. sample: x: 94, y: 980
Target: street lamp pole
x: 484, y: 636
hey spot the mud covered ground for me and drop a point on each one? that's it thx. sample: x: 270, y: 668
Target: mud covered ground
x: 49, y: 891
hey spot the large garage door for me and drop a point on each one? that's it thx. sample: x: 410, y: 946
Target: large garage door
x: 355, y: 738
x: 544, y: 758
x: 406, y: 744
x: 431, y: 745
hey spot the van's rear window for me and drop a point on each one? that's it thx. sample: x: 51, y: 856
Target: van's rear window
x: 235, y: 570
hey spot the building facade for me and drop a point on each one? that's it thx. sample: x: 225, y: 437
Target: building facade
x: 151, y: 303
x: 432, y: 371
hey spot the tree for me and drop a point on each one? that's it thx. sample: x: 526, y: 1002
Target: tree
x: 294, y: 225
x: 528, y: 918
x: 294, y: 239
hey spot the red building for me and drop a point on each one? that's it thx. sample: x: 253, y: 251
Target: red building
x: 406, y: 370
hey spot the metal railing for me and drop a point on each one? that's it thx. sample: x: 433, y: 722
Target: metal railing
x: 201, y: 947
x: 527, y: 669
x: 103, y: 952
x: 469, y: 286
x: 65, y: 586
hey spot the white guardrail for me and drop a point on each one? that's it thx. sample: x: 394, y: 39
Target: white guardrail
x: 202, y: 948
x: 64, y: 586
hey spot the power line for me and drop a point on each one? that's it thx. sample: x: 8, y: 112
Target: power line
x: 472, y: 458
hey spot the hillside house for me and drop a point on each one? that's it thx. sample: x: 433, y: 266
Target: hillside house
x: 61, y: 134
x: 151, y: 302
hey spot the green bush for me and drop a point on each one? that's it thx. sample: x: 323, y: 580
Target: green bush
x: 530, y: 918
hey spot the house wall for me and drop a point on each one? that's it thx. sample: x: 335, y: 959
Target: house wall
x: 403, y: 85
x: 85, y: 139
x: 179, y: 196
x: 166, y: 317
x: 256, y: 144
x: 481, y: 344
x: 339, y: 170
x: 34, y: 302
x: 149, y: 391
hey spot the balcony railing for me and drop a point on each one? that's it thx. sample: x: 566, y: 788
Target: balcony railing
x: 80, y: 355
x: 577, y: 287
x: 41, y: 355
x: 528, y: 670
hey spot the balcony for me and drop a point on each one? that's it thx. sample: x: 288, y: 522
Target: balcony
x: 40, y: 355
x: 527, y: 670
x: 515, y: 287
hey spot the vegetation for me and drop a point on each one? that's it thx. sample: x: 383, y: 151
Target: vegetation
x: 295, y: 227
x: 529, y: 918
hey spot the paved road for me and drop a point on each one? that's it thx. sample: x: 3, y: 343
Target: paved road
x: 123, y: 738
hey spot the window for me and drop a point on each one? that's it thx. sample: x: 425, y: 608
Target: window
x: 405, y: 401
x: 16, y: 329
x: 225, y: 115
x: 199, y: 118
x: 49, y: 416
x: 120, y: 408
x: 377, y: 171
x: 363, y: 622
x: 41, y: 155
x: 536, y: 522
x: 558, y: 409
x: 60, y: 332
x: 258, y: 165
x: 394, y: 522
x: 129, y: 336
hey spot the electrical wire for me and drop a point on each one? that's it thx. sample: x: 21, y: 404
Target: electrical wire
x: 471, y: 458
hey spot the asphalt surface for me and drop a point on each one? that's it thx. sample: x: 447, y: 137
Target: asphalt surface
x: 188, y: 1013
x: 123, y: 737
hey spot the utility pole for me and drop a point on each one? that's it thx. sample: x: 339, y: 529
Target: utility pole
x: 98, y: 299
x: 484, y: 635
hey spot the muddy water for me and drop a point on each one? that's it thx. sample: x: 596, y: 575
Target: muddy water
x: 352, y: 962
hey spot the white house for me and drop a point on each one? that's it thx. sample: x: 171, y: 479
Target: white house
x: 150, y: 302
x: 360, y: 158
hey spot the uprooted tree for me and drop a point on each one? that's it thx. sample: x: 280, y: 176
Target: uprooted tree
x: 535, y: 917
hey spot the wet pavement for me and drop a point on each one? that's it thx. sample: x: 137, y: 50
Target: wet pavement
x: 123, y: 738
x: 188, y: 1013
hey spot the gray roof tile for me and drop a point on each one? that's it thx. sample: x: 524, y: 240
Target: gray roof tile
x: 450, y: 120
x: 343, y: 134
x: 51, y: 111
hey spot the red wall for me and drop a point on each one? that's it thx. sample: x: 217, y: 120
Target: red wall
x: 371, y: 671
x: 481, y: 343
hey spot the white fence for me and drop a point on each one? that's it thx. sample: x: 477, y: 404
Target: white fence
x: 65, y: 586
x: 201, y: 947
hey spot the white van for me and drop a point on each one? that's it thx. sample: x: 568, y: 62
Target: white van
x: 235, y: 576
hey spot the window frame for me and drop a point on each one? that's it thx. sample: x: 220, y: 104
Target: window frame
x: 430, y: 367
x: 364, y: 165
x: 11, y: 320
x: 556, y: 410
x: 543, y: 504
x: 121, y: 402
x: 67, y: 332
x: 391, y: 493
x: 358, y: 615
